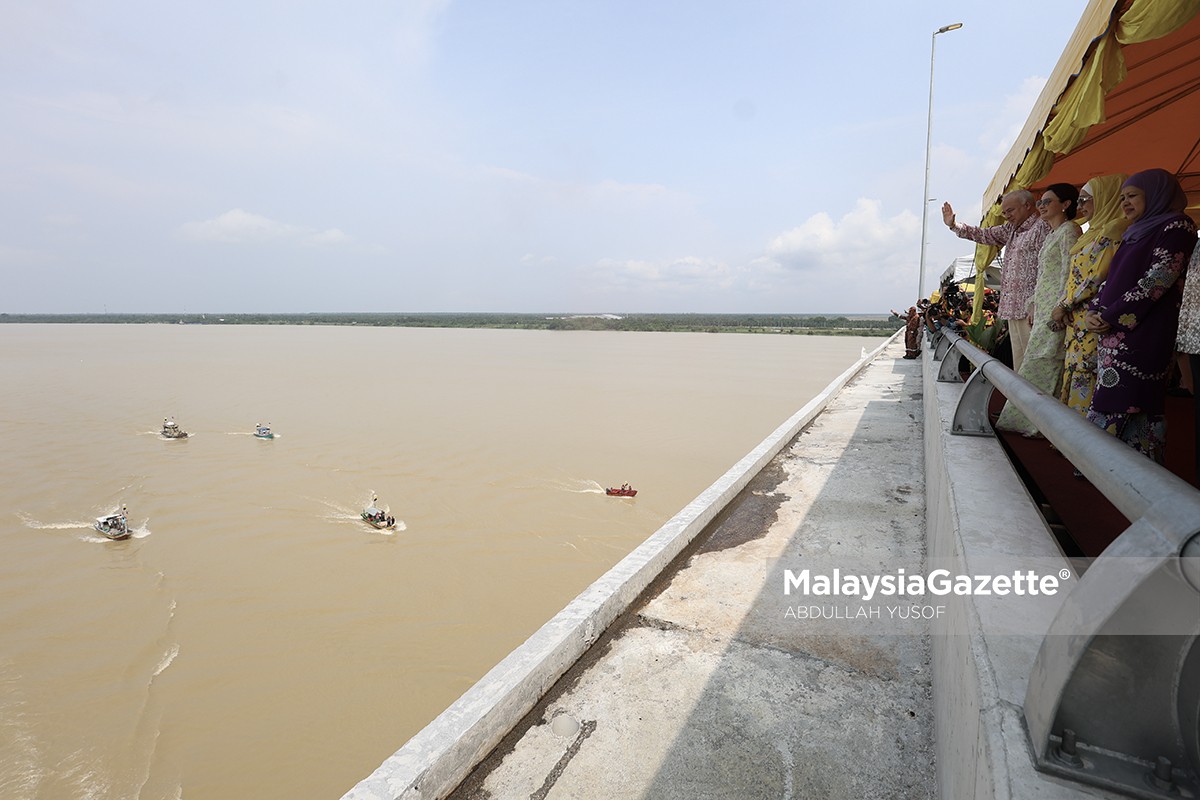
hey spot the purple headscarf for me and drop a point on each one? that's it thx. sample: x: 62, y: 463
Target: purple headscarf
x: 1165, y: 200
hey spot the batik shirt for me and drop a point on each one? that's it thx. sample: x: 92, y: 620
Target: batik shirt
x: 1021, y: 245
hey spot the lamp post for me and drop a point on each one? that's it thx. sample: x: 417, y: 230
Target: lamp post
x: 928, y: 142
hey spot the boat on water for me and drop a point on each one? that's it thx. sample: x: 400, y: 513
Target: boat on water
x: 625, y: 491
x: 377, y: 517
x: 263, y: 431
x: 172, y: 431
x: 114, y: 526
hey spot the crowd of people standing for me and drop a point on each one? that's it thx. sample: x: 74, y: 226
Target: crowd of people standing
x: 1095, y: 317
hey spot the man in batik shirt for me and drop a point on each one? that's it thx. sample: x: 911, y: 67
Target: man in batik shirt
x: 1021, y: 237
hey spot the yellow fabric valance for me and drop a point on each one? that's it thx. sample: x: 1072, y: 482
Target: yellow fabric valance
x: 1146, y: 20
x: 1091, y: 68
x: 1082, y: 104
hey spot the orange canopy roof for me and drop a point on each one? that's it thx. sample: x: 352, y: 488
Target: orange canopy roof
x: 1128, y: 89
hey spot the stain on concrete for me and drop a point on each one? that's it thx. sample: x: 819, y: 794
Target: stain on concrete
x: 750, y: 516
x: 585, y: 730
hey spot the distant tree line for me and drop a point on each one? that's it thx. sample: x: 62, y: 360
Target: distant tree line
x: 866, y: 325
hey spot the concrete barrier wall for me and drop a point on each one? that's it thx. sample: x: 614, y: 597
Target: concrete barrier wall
x: 442, y: 754
x: 979, y: 516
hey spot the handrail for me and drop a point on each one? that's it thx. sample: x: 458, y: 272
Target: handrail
x: 1132, y: 482
x: 1135, y: 612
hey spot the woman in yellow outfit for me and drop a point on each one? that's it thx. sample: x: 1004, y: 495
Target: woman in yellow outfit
x: 1099, y: 202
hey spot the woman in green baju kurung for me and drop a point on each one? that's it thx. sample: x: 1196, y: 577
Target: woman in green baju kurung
x: 1043, y: 362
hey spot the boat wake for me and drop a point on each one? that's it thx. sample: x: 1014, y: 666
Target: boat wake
x: 340, y: 513
x: 30, y: 522
x: 166, y: 660
x: 25, y: 756
x: 578, y: 486
x: 153, y: 772
x: 336, y: 511
x: 89, y: 533
x: 140, y: 532
x: 400, y: 526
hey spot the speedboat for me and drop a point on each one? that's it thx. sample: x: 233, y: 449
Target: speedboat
x: 263, y: 431
x: 377, y: 517
x: 624, y: 491
x: 114, y: 526
x: 172, y: 431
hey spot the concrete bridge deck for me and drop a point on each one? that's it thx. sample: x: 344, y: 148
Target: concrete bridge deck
x: 713, y: 686
x: 689, y: 671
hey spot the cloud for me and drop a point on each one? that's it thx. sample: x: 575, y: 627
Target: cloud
x: 331, y: 236
x: 819, y: 258
x: 862, y: 240
x: 686, y: 274
x: 635, y: 190
x: 242, y: 227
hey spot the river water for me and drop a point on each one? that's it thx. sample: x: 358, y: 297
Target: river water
x: 254, y: 638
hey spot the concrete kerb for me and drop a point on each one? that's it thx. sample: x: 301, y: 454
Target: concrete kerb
x: 442, y: 754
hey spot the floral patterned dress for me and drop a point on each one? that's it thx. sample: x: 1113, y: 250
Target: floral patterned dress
x: 1140, y: 301
x: 1043, y: 362
x: 1088, y: 270
x: 1188, y: 338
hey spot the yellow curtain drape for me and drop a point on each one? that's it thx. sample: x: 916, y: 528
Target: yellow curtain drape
x: 984, y: 255
x: 1152, y: 19
x: 1082, y: 104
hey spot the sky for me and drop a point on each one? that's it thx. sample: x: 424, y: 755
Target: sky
x: 579, y: 156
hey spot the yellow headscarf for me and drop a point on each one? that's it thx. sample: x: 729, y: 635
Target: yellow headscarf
x: 1106, y: 220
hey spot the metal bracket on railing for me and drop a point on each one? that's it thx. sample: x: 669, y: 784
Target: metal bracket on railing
x: 942, y: 344
x: 1114, y: 696
x: 949, y: 370
x: 971, y: 414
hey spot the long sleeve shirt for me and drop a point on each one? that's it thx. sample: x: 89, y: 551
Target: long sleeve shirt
x: 1021, y: 244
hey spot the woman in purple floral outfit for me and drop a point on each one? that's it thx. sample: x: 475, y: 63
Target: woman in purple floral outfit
x: 1136, y: 314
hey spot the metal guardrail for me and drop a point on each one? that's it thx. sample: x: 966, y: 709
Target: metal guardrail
x: 1114, y: 695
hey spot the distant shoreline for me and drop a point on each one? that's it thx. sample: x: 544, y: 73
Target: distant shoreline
x: 797, y: 324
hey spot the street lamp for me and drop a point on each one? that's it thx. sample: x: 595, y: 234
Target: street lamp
x: 928, y: 141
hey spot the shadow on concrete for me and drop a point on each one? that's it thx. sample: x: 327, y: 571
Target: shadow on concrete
x: 715, y: 686
x: 803, y: 707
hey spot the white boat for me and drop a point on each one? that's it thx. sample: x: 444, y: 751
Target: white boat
x: 263, y: 431
x: 114, y: 526
x: 377, y: 517
x: 172, y: 431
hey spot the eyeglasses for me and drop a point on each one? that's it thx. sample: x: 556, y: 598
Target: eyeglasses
x: 1044, y: 202
x: 1083, y: 198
